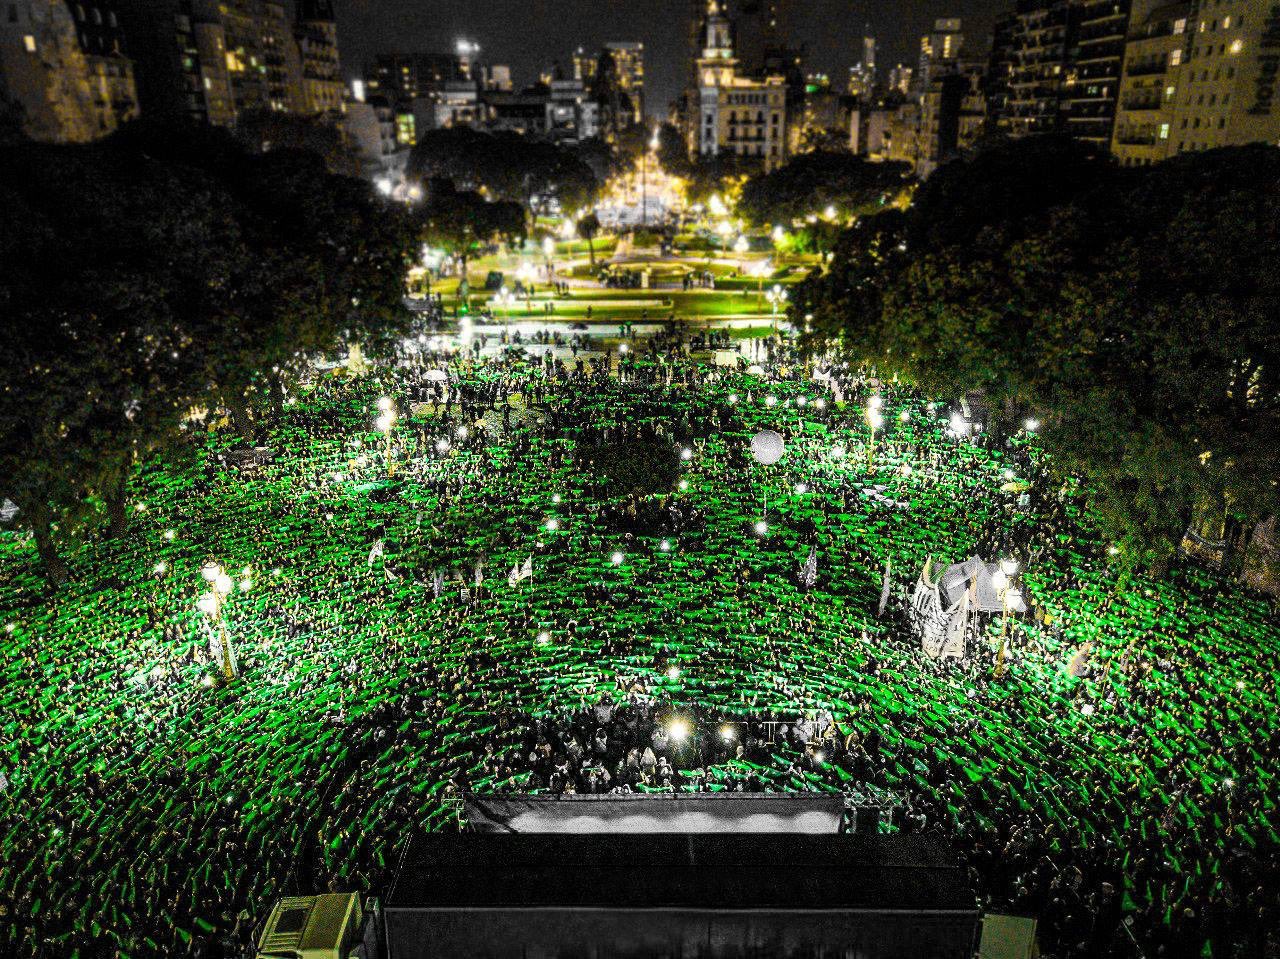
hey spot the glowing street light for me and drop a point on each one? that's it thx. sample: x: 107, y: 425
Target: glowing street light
x: 875, y: 419
x: 1002, y: 580
x: 777, y: 297
x: 386, y: 424
x: 211, y: 604
x: 504, y: 299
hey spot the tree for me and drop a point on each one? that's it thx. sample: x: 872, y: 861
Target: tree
x: 588, y: 228
x: 461, y: 221
x: 673, y: 150
x: 813, y: 182
x: 506, y: 166
x: 1130, y: 310
x: 157, y: 272
x: 261, y: 131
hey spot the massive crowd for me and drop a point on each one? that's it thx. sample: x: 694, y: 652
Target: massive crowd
x: 469, y: 607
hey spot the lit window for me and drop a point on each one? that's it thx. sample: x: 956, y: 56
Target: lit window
x: 1180, y: 26
x: 1237, y: 46
x: 29, y: 42
x: 1226, y: 23
x: 1169, y: 92
x: 1164, y: 131
x: 1175, y: 58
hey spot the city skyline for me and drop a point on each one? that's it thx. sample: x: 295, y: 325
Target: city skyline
x: 502, y: 28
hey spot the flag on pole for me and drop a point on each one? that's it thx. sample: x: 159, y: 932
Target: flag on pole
x: 884, y: 590
x: 437, y: 583
x: 375, y: 553
x: 519, y: 572
x: 479, y: 574
x: 4, y: 782
x: 809, y: 571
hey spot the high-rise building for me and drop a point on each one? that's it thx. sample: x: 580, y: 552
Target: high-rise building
x: 628, y: 67
x: 407, y: 77
x: 316, y: 33
x: 1091, y: 80
x: 1154, y: 56
x: 1226, y: 90
x: 862, y: 75
x: 900, y: 79
x: 213, y: 60
x: 940, y: 49
x: 1057, y: 67
x: 735, y: 114
x: 585, y: 65
x: 66, y: 65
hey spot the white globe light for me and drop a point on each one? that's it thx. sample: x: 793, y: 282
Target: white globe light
x: 767, y: 447
x: 210, y: 571
x: 207, y: 603
x: 761, y: 527
x: 222, y: 584
x: 616, y: 559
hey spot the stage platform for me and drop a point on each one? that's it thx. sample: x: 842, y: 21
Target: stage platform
x: 713, y: 896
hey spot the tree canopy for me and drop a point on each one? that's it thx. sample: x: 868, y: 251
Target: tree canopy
x: 462, y: 221
x: 506, y: 166
x: 812, y: 182
x: 1131, y: 311
x: 153, y: 274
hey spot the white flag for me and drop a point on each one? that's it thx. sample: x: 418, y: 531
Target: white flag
x: 884, y: 590
x: 375, y: 553
x: 519, y: 572
x: 809, y: 572
x: 437, y: 583
x: 4, y: 782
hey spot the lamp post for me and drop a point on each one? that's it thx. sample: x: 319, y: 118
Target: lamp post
x: 548, y: 250
x: 386, y: 423
x: 875, y: 419
x: 777, y: 297
x: 504, y: 298
x: 526, y: 274
x: 644, y: 180
x: 1002, y: 580
x: 211, y: 604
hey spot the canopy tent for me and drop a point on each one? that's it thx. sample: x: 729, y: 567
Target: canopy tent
x: 811, y: 813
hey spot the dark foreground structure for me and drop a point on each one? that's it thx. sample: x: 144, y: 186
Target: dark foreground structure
x: 705, y: 895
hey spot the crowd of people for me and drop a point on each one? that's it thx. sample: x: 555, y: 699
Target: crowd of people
x: 459, y: 604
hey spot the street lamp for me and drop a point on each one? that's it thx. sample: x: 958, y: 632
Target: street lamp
x: 526, y: 274
x: 504, y: 299
x: 386, y: 423
x: 548, y: 251
x: 777, y: 297
x: 875, y: 419
x: 1002, y: 580
x: 211, y: 604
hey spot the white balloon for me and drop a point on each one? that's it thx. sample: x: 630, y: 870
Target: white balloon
x: 767, y: 447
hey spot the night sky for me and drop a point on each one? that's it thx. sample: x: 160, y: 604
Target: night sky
x: 531, y: 34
